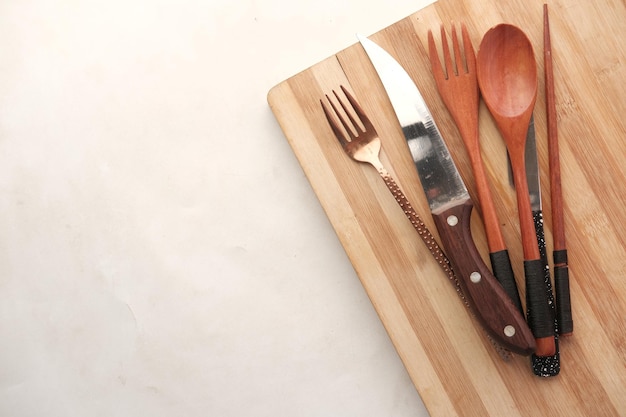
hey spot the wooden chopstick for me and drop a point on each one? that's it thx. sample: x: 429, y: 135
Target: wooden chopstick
x: 561, y: 269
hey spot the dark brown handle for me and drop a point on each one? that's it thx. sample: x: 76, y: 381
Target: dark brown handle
x: 491, y: 305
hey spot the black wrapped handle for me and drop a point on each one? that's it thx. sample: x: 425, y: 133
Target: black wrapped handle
x: 546, y: 366
x: 503, y: 271
x: 540, y: 316
x: 561, y: 287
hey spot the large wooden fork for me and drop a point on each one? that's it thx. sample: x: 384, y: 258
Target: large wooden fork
x: 458, y: 87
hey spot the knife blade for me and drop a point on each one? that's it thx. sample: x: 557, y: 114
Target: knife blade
x: 450, y: 205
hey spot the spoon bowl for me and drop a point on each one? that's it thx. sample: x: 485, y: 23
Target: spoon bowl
x: 507, y: 67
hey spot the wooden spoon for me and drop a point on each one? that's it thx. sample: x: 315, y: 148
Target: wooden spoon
x: 507, y: 76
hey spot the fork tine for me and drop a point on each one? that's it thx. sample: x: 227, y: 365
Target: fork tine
x: 333, y: 124
x: 450, y: 67
x: 367, y: 124
x: 460, y: 67
x: 342, y: 119
x: 434, y: 56
x: 470, y: 57
x: 348, y: 113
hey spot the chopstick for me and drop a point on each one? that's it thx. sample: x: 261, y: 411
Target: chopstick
x: 564, y: 319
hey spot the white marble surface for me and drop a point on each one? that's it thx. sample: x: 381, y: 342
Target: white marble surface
x: 161, y: 252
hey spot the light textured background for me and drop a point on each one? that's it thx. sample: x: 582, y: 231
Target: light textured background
x: 161, y: 252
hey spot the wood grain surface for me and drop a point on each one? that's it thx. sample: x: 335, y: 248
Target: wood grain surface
x: 453, y: 366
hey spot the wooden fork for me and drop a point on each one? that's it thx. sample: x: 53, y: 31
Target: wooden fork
x: 364, y: 146
x: 458, y: 87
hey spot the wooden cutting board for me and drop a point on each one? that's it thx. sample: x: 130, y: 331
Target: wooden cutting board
x: 453, y: 366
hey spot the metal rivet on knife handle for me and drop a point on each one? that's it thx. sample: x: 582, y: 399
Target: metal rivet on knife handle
x: 509, y: 330
x: 475, y: 277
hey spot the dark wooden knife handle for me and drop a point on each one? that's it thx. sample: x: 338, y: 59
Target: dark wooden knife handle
x: 490, y: 303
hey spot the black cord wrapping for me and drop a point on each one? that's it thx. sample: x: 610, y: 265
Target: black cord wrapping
x: 503, y: 271
x: 561, y: 287
x: 546, y: 366
x: 540, y: 317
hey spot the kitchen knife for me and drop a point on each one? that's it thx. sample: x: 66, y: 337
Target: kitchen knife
x: 450, y: 205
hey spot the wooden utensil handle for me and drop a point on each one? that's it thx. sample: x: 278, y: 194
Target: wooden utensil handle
x: 492, y: 306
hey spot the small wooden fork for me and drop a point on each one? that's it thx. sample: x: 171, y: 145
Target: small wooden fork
x: 364, y: 146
